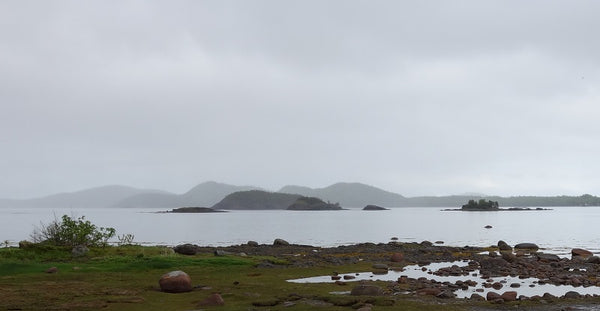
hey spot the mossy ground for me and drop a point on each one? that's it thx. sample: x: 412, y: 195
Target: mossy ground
x: 126, y: 278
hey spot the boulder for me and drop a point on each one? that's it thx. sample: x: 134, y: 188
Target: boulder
x: 186, y: 249
x: 508, y: 256
x: 572, y: 295
x: 580, y: 253
x: 280, y: 242
x: 527, y: 246
x: 503, y: 246
x: 212, y: 300
x: 492, y: 296
x: 175, y: 282
x: 477, y: 297
x: 547, y: 257
x: 397, y: 257
x: 488, y: 227
x: 366, y: 290
x: 79, y: 251
x: 252, y: 243
x: 509, y: 296
x: 25, y: 244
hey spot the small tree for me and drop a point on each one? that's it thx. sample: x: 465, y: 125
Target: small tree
x: 71, y: 232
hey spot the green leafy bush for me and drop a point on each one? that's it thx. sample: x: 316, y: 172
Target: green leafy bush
x: 71, y: 232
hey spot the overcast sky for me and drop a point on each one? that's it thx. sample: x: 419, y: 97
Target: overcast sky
x: 415, y: 97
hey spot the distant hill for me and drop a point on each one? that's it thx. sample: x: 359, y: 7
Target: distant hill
x: 99, y: 197
x: 256, y: 200
x: 203, y: 195
x: 350, y: 195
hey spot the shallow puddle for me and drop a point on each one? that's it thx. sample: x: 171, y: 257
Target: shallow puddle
x: 527, y: 287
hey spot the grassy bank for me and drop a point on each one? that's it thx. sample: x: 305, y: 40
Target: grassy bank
x: 126, y: 278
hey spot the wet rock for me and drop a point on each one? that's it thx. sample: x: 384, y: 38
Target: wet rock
x: 79, y: 251
x: 349, y: 277
x: 335, y: 277
x: 488, y: 227
x: 527, y: 246
x: 397, y: 257
x: 497, y: 285
x: 212, y: 300
x: 252, y: 243
x: 175, y: 282
x: 477, y: 297
x: 509, y: 256
x: 572, y: 295
x: 280, y: 242
x: 366, y: 290
x: 509, y: 296
x: 446, y: 294
x: 503, y: 246
x: 594, y: 260
x: 491, y: 296
x: 547, y: 257
x: 52, y: 270
x: 580, y: 253
x: 515, y: 285
x: 186, y: 249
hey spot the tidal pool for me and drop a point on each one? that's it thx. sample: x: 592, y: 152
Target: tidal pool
x: 528, y: 287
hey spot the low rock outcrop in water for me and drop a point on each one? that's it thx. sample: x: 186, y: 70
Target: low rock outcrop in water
x: 195, y: 210
x: 313, y: 204
x: 374, y: 208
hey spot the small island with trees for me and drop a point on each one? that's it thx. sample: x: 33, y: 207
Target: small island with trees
x: 481, y: 205
x: 490, y: 206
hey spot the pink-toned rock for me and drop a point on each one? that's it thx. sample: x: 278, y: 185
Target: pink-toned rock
x: 397, y: 257
x: 509, y: 296
x: 212, y: 300
x: 581, y: 253
x: 52, y: 270
x: 175, y: 282
x: 491, y: 296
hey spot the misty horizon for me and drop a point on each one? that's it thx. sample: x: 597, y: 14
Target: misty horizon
x: 417, y: 98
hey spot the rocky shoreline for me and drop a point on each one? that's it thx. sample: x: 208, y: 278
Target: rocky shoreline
x: 523, y: 261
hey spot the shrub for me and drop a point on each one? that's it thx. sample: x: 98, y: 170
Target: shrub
x: 71, y: 232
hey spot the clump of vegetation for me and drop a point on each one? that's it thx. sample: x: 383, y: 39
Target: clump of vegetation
x: 71, y: 232
x: 312, y: 203
x: 482, y: 205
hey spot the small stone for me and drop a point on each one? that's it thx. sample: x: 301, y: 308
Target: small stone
x: 212, y: 300
x: 397, y: 257
x: 52, y: 270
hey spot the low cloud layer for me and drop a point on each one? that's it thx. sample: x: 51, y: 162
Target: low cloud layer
x: 419, y: 98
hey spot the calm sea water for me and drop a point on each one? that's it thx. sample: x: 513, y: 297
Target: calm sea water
x: 556, y: 230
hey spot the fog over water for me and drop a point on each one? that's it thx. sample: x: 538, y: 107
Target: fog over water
x: 416, y: 97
